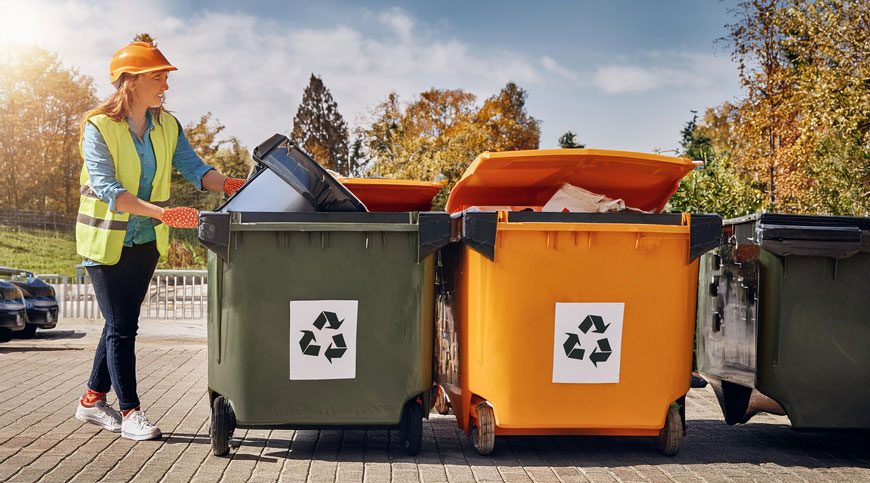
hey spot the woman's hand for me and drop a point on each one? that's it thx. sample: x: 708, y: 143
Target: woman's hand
x: 231, y: 185
x: 180, y: 217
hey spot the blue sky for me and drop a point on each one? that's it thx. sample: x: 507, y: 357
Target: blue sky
x: 622, y: 74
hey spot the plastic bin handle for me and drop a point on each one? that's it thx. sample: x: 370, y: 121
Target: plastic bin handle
x: 705, y: 232
x: 214, y: 232
x: 434, y: 233
x: 478, y: 230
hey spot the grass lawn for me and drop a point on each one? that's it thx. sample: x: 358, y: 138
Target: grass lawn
x: 38, y: 251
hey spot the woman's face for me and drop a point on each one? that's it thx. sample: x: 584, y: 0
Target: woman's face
x: 149, y: 88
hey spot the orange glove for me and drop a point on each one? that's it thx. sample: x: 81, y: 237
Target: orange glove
x: 231, y: 185
x: 180, y: 217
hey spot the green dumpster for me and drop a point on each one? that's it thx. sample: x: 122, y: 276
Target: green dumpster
x: 783, y: 325
x: 318, y: 318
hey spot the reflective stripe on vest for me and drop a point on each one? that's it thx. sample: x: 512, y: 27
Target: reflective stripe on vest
x: 100, y: 233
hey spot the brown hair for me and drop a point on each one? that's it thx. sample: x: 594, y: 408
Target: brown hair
x: 117, y: 105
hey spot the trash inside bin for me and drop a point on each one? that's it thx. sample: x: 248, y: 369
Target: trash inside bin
x: 319, y: 319
x: 569, y: 323
x: 783, y: 324
x: 388, y: 195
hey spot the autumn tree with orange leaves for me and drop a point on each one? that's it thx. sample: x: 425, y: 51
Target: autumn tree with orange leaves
x: 439, y: 133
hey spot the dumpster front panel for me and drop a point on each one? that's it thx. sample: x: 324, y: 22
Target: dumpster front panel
x: 504, y: 311
x: 813, y: 357
x: 268, y: 270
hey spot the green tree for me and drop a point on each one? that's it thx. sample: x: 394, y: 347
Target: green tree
x: 717, y: 188
x: 569, y: 140
x: 320, y: 130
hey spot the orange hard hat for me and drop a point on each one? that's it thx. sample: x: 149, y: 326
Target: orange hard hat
x: 137, y: 58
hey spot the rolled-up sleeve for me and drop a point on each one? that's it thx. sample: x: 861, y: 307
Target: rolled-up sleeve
x: 101, y: 167
x: 188, y: 163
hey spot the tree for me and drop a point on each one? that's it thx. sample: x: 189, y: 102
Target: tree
x: 320, y: 130
x: 442, y: 131
x: 717, y: 188
x: 508, y: 124
x: 569, y: 141
x: 145, y: 37
x: 41, y: 104
x: 804, y: 65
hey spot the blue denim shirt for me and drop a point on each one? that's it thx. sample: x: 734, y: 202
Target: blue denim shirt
x: 101, y: 169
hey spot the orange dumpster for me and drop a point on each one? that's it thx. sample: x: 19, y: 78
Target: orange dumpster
x: 393, y: 195
x: 562, y: 322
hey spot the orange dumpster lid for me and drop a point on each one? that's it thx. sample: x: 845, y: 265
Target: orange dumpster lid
x: 644, y: 181
x: 393, y: 194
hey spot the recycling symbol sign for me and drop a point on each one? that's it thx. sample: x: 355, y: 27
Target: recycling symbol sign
x: 323, y: 339
x: 337, y: 347
x: 600, y: 353
x: 587, y: 342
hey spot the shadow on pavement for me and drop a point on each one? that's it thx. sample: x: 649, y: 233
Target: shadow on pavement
x: 707, y: 442
x: 58, y: 334
x: 9, y: 350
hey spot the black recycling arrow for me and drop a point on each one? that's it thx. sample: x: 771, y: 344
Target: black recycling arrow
x: 337, y: 351
x: 306, y: 343
x: 600, y: 355
x: 570, y: 350
x: 595, y: 320
x: 327, y: 318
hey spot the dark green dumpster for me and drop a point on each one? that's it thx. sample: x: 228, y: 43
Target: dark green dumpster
x: 319, y: 318
x: 783, y: 319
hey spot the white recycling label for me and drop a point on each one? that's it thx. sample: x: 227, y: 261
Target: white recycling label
x: 323, y: 339
x: 587, y: 343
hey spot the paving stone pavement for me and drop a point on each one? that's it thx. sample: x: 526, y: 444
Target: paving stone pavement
x: 41, y: 380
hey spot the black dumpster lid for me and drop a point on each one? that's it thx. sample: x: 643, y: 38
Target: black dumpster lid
x: 305, y: 175
x: 779, y: 219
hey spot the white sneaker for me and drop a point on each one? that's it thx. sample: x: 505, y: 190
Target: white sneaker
x: 136, y: 426
x: 100, y: 414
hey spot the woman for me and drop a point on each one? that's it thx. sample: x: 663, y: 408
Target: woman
x: 129, y: 144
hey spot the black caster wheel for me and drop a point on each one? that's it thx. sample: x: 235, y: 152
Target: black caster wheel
x: 411, y: 431
x: 223, y: 423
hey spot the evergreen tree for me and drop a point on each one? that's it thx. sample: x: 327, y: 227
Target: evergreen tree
x: 569, y: 141
x: 320, y: 130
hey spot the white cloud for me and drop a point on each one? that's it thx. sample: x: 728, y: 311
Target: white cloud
x: 551, y: 65
x: 250, y: 71
x: 399, y: 21
x: 671, y: 70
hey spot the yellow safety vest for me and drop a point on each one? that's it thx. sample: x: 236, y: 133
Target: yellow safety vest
x: 100, y: 233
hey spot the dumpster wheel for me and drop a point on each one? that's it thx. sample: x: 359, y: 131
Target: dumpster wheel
x: 411, y: 427
x: 671, y: 436
x: 223, y: 423
x: 442, y: 405
x: 483, y: 430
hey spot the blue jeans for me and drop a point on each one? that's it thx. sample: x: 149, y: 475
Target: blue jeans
x: 120, y: 290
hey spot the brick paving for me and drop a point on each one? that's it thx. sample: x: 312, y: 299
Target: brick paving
x: 41, y: 380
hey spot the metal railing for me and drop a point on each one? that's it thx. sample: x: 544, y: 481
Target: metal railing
x: 172, y: 294
x: 43, y: 220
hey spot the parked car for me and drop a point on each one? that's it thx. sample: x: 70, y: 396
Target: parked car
x: 13, y: 311
x: 39, y: 299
